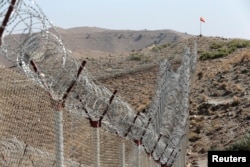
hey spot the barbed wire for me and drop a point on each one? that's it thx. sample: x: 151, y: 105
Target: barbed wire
x: 170, y: 105
x: 33, y: 43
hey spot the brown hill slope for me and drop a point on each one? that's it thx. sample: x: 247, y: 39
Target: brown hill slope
x: 115, y: 41
x: 94, y: 42
x: 220, y: 95
x: 220, y: 102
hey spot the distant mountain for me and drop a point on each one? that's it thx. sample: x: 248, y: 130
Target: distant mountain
x: 93, y: 41
x: 116, y: 41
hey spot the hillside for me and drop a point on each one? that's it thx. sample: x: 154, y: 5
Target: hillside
x: 81, y: 39
x: 128, y: 62
x: 93, y: 42
x: 220, y: 95
x: 220, y: 105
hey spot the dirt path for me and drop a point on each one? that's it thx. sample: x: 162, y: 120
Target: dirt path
x: 218, y: 101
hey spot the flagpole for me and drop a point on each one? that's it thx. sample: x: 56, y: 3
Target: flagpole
x: 200, y: 28
x: 201, y: 20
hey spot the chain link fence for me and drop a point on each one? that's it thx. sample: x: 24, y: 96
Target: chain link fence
x: 58, y: 114
x: 28, y: 132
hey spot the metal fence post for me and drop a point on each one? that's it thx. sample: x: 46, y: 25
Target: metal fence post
x: 150, y: 161
x: 139, y: 156
x: 123, y: 155
x: 59, y: 119
x: 59, y: 139
x: 97, y: 145
x: 6, y: 19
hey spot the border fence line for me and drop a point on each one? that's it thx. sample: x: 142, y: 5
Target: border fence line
x: 73, y: 97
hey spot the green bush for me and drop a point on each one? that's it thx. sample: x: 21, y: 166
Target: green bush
x: 232, y: 49
x: 215, y: 54
x: 205, y: 55
x: 200, y: 51
x: 221, y: 53
x: 241, y: 145
x: 218, y: 55
x: 216, y: 45
x: 220, y: 49
x: 160, y: 47
x: 238, y: 44
x: 166, y: 45
x: 156, y: 48
x: 135, y: 57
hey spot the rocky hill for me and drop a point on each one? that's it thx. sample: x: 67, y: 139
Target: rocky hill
x: 220, y: 105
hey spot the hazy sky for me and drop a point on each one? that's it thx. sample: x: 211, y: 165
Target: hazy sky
x: 224, y: 18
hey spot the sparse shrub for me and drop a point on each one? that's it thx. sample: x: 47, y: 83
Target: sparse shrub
x: 146, y: 59
x: 241, y: 145
x: 166, y: 45
x: 160, y: 47
x: 200, y: 51
x: 216, y: 45
x: 238, y: 44
x: 156, y: 48
x: 216, y: 148
x: 232, y: 49
x: 206, y: 55
x: 220, y: 53
x: 213, y: 148
x: 135, y: 57
x: 221, y: 49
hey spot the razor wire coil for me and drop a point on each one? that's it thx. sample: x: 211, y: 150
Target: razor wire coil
x: 33, y: 43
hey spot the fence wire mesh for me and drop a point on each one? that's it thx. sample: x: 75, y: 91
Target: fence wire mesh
x: 27, y: 131
x: 60, y: 115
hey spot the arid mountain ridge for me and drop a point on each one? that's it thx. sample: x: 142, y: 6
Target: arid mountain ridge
x: 96, y: 42
x: 116, y: 41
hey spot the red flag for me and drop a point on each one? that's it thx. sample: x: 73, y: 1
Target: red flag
x: 202, y: 19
